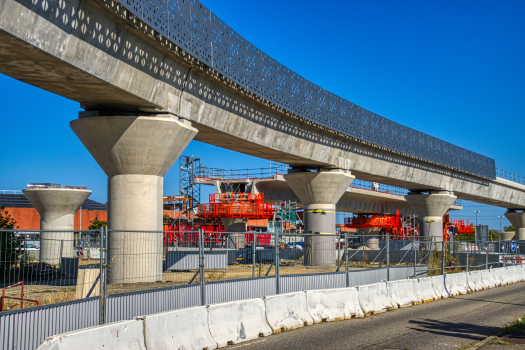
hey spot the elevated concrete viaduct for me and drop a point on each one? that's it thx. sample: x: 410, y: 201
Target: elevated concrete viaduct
x: 105, y: 57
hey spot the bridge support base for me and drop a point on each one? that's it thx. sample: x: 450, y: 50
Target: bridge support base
x: 57, y: 208
x: 319, y: 192
x: 430, y: 207
x: 517, y: 219
x: 135, y: 153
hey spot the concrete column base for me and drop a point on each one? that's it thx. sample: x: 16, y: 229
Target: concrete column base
x: 430, y: 208
x: 517, y: 219
x: 135, y: 153
x: 319, y: 192
x: 57, y: 208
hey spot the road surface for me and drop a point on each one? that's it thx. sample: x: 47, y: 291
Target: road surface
x: 443, y: 324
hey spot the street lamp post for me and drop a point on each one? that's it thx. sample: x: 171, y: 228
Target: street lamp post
x: 500, y: 227
x: 476, y: 211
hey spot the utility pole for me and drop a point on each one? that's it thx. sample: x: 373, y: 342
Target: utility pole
x: 476, y: 211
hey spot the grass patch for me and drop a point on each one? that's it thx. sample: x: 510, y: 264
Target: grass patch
x: 499, y: 342
x: 517, y: 326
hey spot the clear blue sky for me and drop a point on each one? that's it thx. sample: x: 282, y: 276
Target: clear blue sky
x: 452, y: 69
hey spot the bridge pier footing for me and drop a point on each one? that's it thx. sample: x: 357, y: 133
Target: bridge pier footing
x: 135, y: 152
x: 319, y: 192
x: 517, y: 219
x: 430, y: 207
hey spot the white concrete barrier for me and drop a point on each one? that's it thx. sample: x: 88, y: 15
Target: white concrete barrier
x: 456, y: 283
x: 287, y: 311
x: 238, y: 321
x: 438, y: 283
x: 500, y: 276
x: 512, y: 274
x: 475, y: 282
x: 521, y: 272
x: 119, y: 335
x: 179, y: 329
x: 373, y: 298
x: 401, y: 292
x: 423, y: 290
x: 334, y: 304
x: 487, y: 276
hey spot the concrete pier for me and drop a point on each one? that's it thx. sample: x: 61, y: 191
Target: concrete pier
x: 57, y: 207
x: 517, y: 219
x: 135, y: 152
x: 430, y: 207
x: 319, y: 192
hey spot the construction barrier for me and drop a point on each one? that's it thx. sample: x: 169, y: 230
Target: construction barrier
x: 456, y: 283
x: 500, y: 275
x: 475, y: 281
x: 116, y: 336
x: 333, y: 304
x: 423, y: 290
x: 512, y: 274
x: 238, y: 321
x: 438, y: 283
x: 521, y: 271
x: 287, y: 311
x: 180, y: 329
x: 401, y: 293
x: 373, y: 298
x: 487, y: 276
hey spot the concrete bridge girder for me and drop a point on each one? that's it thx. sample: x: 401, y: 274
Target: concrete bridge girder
x: 108, y: 64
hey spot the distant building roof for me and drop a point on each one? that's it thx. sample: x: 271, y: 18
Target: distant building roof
x: 16, y: 200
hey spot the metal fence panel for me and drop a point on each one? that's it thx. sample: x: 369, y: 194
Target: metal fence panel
x: 26, y: 329
x: 295, y: 283
x: 224, y: 291
x: 125, y: 306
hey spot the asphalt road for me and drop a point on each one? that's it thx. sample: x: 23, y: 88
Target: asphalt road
x: 449, y: 323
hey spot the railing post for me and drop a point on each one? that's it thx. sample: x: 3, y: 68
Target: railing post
x: 254, y: 255
x: 346, y: 261
x: 201, y: 268
x: 415, y: 255
x: 487, y: 257
x: 277, y: 282
x: 467, y: 253
x: 388, y: 257
x: 442, y: 257
x: 101, y: 247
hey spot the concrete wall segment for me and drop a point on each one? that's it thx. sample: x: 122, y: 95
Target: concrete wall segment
x: 287, y: 311
x: 334, y: 304
x: 125, y: 335
x: 179, y: 329
x: 238, y: 321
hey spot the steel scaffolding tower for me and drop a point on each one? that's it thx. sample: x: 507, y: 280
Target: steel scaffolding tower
x: 189, y: 168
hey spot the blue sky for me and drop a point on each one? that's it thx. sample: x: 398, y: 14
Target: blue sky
x: 452, y: 69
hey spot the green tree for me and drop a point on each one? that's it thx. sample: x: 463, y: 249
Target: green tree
x: 9, y: 243
x: 508, y: 228
x: 96, y: 224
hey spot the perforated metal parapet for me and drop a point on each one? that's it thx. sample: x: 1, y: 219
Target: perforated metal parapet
x: 194, y: 28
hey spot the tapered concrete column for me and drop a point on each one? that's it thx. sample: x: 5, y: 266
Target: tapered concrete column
x: 135, y: 153
x: 319, y: 192
x: 517, y: 219
x: 57, y: 208
x: 430, y: 208
x: 235, y: 240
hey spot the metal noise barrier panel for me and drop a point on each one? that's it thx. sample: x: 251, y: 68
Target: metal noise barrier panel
x: 231, y: 290
x: 26, y: 329
x: 125, y: 306
x: 194, y: 28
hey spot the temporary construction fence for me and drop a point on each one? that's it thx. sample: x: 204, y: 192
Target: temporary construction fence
x: 200, y: 268
x: 221, y: 324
